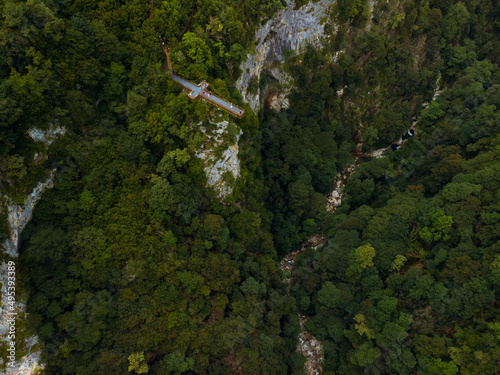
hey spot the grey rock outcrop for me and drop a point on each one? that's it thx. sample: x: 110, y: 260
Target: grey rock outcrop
x: 216, y: 167
x: 28, y: 364
x: 286, y: 33
x: 46, y: 136
x: 18, y: 216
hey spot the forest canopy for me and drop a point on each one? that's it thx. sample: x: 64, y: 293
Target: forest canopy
x: 133, y: 264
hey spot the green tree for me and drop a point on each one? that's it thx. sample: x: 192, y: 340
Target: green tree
x: 163, y: 199
x: 364, y: 355
x: 370, y: 138
x: 456, y: 19
x: 391, y: 334
x: 169, y: 239
x: 349, y: 8
x: 177, y: 363
x: 454, y: 192
x: 137, y: 363
x: 192, y: 59
x: 360, y: 259
x: 329, y: 295
x: 300, y: 192
x: 441, y: 224
x: 398, y: 262
x: 16, y: 168
x: 362, y: 327
x: 114, y: 86
x: 252, y: 286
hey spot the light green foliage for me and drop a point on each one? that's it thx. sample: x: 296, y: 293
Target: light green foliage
x: 441, y: 225
x: 87, y: 199
x: 362, y: 328
x: 193, y: 59
x: 431, y: 114
x: 137, y: 363
x: 169, y: 239
x: 495, y: 327
x: 396, y: 20
x: 454, y: 192
x: 360, y: 259
x: 398, y: 262
x: 364, y: 256
x: 180, y: 157
x: 436, y: 366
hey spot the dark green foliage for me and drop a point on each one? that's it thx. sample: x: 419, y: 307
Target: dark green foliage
x: 132, y: 265
x: 428, y: 210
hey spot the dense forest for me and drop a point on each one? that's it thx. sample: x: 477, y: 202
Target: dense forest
x: 131, y: 264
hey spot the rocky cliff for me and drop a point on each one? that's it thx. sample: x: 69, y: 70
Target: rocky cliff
x: 18, y: 215
x: 220, y: 158
x: 286, y: 34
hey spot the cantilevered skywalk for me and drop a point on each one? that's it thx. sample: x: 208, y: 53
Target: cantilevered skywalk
x: 200, y: 90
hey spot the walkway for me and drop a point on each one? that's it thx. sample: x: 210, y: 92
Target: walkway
x: 201, y: 90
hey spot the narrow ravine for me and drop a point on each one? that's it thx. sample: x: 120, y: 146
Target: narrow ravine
x: 307, y: 344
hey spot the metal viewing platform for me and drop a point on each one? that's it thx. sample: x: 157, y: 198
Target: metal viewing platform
x: 200, y: 90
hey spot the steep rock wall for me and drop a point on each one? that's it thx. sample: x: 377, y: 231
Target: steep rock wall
x: 17, y: 217
x: 216, y: 167
x: 286, y: 33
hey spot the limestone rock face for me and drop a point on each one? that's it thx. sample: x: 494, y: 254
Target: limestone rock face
x: 46, y: 136
x: 278, y: 100
x: 30, y: 362
x: 18, y: 216
x: 286, y: 33
x: 216, y: 167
